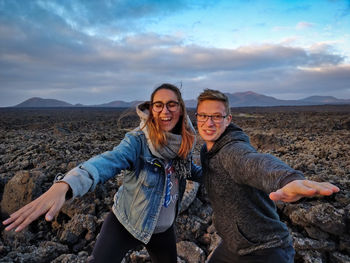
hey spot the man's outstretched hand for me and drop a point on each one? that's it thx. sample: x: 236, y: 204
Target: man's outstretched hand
x: 297, y: 189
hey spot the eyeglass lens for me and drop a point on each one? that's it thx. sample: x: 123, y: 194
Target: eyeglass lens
x: 171, y: 106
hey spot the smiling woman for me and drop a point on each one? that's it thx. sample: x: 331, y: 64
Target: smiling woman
x: 157, y: 155
x: 172, y: 117
x: 167, y: 117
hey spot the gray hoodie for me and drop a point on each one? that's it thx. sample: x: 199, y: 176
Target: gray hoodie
x: 238, y: 180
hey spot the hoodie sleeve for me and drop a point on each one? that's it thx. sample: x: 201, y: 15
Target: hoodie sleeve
x: 100, y: 168
x: 196, y: 173
x: 262, y: 171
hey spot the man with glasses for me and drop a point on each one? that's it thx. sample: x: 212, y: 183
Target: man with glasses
x: 242, y: 184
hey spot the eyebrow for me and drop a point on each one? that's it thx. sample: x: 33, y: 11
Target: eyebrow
x: 165, y: 102
x: 214, y: 113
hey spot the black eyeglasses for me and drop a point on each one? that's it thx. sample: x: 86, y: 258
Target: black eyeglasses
x: 217, y: 118
x: 172, y: 106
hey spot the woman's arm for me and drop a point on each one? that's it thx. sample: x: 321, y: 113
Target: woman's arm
x: 98, y: 169
x: 196, y: 173
x: 50, y: 203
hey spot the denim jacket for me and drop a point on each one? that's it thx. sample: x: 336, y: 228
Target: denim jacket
x: 138, y: 201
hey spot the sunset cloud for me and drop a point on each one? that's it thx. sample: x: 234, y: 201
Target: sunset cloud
x: 94, y: 52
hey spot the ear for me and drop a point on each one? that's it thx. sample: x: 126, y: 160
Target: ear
x: 228, y: 120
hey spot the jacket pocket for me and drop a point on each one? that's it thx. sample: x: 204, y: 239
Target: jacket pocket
x: 243, y: 237
x: 152, y: 173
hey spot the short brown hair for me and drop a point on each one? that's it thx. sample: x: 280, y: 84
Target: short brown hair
x: 210, y: 94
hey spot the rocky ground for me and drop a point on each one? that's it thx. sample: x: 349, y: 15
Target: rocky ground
x: 36, y: 144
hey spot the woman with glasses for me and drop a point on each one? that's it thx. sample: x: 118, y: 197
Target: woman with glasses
x: 157, y: 157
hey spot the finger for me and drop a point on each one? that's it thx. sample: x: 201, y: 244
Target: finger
x: 13, y: 217
x: 30, y: 217
x: 11, y: 226
x: 278, y: 195
x: 17, y: 217
x: 33, y: 211
x: 25, y: 223
x: 335, y: 188
x: 16, y: 223
x: 329, y: 185
x: 53, y: 211
x: 20, y: 219
x: 307, y: 191
x: 303, y: 188
x: 323, y: 188
x: 8, y: 221
x: 275, y: 196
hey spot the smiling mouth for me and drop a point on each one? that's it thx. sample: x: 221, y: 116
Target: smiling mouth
x: 209, y: 132
x: 165, y: 119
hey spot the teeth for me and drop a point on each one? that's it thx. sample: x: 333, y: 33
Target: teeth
x: 209, y: 132
x: 165, y: 119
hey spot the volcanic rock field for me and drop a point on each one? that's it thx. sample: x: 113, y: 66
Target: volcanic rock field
x: 36, y: 144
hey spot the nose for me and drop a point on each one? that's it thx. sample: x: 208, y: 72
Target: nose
x: 210, y: 121
x: 165, y: 109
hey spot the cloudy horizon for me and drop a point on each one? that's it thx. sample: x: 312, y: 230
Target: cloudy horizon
x: 95, y: 52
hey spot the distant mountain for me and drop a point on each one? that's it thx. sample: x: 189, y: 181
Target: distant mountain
x: 252, y: 99
x: 245, y: 99
x: 249, y: 98
x: 42, y: 103
x: 238, y: 99
x: 325, y: 100
x: 119, y: 104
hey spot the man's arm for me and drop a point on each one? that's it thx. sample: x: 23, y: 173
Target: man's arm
x: 297, y: 189
x: 260, y: 170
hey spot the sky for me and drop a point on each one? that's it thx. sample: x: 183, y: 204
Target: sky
x: 94, y: 52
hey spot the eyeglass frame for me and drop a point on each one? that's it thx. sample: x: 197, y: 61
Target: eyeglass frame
x: 222, y: 117
x: 166, y: 105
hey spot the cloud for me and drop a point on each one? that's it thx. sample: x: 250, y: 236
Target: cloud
x: 303, y: 25
x: 94, y: 18
x: 324, y: 80
x: 299, y: 26
x: 281, y: 83
x: 90, y: 72
x: 47, y: 51
x: 324, y: 46
x: 289, y: 40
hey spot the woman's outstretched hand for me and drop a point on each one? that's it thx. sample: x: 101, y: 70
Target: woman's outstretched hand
x: 297, y: 189
x: 49, y: 202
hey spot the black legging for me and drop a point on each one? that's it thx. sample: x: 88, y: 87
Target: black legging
x: 115, y: 241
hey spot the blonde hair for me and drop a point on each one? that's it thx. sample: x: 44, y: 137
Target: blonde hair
x: 157, y: 135
x: 210, y: 94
